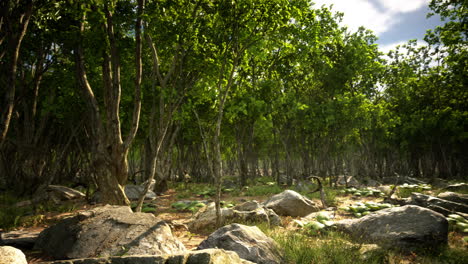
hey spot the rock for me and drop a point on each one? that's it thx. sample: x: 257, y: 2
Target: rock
x: 312, y: 216
x: 248, y: 242
x: 247, y: 206
x: 55, y: 193
x: 207, y: 256
x: 403, y: 228
x: 296, y: 224
x: 439, y: 183
x: 133, y: 192
x: 386, y: 189
x: 442, y: 206
x: 108, y: 231
x: 291, y: 203
x: 20, y: 239
x: 371, y: 183
x: 11, y: 255
x: 459, y: 187
x: 206, y: 217
x: 401, y: 180
x: 352, y: 182
x: 454, y: 197
x: 65, y: 193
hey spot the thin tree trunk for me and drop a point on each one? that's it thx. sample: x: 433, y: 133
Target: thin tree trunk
x: 11, y: 65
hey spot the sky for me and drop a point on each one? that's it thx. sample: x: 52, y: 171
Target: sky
x: 394, y: 22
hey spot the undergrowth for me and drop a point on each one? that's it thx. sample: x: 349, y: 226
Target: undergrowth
x: 335, y: 247
x: 13, y: 216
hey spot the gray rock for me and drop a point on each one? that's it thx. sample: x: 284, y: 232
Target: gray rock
x: 351, y: 181
x: 459, y: 187
x: 454, y: 197
x: 133, y: 192
x: 442, y: 206
x: 11, y: 255
x: 55, y: 193
x: 206, y: 217
x: 108, y: 231
x: 247, y: 206
x: 20, y: 239
x: 207, y: 256
x: 386, y: 189
x: 372, y: 183
x: 439, y: 183
x: 248, y: 242
x: 65, y: 193
x: 403, y: 228
x: 291, y: 203
x: 401, y: 180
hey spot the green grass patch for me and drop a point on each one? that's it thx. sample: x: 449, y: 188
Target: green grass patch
x: 330, y: 248
x: 405, y: 190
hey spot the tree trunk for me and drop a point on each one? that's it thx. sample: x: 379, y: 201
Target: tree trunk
x: 109, y: 150
x: 12, y: 54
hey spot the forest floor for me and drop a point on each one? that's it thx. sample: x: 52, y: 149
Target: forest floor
x: 165, y: 211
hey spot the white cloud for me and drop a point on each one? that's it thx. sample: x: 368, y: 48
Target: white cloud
x: 366, y: 13
x: 388, y: 47
x: 403, y: 6
x: 361, y: 13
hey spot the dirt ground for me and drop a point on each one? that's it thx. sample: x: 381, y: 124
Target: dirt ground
x: 164, y: 212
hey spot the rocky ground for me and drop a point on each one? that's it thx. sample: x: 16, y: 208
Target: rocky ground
x: 348, y: 205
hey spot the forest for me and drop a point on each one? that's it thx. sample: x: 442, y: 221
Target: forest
x: 133, y: 128
x: 106, y: 93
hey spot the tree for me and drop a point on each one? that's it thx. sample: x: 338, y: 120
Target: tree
x: 14, y: 21
x: 110, y: 151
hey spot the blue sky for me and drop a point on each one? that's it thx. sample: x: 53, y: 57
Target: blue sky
x: 393, y: 21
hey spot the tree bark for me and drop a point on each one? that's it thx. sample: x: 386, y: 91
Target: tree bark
x: 12, y: 53
x: 110, y: 152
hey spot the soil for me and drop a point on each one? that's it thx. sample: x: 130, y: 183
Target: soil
x: 164, y: 211
x: 179, y: 219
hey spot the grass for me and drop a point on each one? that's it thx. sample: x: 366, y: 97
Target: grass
x: 325, y: 248
x: 335, y: 247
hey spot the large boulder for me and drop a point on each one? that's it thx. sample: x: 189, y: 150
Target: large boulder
x: 20, y: 238
x: 108, y: 231
x: 442, y: 206
x: 403, y: 228
x: 11, y: 255
x: 207, y: 256
x: 251, y: 212
x: 249, y: 242
x: 291, y: 203
x: 454, y: 197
